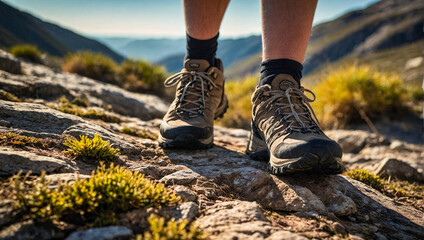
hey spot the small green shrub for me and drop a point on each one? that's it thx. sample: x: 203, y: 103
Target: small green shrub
x: 92, y: 65
x: 109, y: 190
x: 139, y: 133
x: 8, y: 96
x: 27, y: 52
x: 91, y: 149
x: 366, y: 177
x: 17, y: 140
x: 239, y: 93
x: 176, y: 230
x: 349, y: 93
x: 141, y: 76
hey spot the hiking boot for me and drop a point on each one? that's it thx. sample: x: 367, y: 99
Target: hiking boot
x: 199, y: 100
x: 285, y: 134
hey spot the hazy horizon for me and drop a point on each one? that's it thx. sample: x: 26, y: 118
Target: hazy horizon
x: 158, y: 19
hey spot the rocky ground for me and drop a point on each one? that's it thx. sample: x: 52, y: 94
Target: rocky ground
x: 229, y: 195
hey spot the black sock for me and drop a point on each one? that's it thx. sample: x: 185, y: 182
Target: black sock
x: 202, y: 49
x: 271, y: 68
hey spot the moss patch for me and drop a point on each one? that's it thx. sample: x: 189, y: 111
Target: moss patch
x: 109, y: 191
x: 73, y: 108
x: 404, y: 191
x: 176, y: 230
x: 95, y: 149
x: 139, y: 133
x: 8, y: 96
x: 18, y: 140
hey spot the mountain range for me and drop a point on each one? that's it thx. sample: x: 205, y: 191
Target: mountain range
x: 385, y: 25
x: 17, y: 27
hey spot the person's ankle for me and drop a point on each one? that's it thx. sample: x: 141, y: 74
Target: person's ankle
x: 271, y: 68
x: 202, y: 49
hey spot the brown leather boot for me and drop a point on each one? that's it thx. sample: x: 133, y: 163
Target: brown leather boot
x: 285, y: 131
x: 198, y: 101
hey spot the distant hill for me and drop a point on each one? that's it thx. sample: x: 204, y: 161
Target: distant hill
x: 152, y: 50
x: 18, y: 27
x: 358, y: 34
x: 229, y: 50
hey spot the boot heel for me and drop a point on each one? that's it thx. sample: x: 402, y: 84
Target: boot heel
x: 256, y: 147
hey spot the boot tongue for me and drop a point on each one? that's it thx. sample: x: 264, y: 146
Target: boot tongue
x: 283, y: 81
x: 199, y: 65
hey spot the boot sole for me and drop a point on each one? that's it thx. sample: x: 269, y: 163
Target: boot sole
x: 318, y: 161
x: 188, y: 141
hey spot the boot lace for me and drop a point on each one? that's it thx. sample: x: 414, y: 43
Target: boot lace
x: 297, y: 114
x: 193, y: 83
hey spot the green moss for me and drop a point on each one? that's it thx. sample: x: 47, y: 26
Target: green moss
x: 95, y: 149
x: 176, y: 230
x: 114, y: 189
x: 74, y: 109
x: 139, y: 133
x: 8, y: 96
x: 351, y: 93
x: 404, y: 189
x: 27, y: 52
x: 17, y: 140
x: 80, y: 101
x: 366, y: 177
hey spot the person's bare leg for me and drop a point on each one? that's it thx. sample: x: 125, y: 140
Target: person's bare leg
x: 203, y: 18
x: 286, y: 27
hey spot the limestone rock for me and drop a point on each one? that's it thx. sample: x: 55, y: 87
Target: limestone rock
x: 104, y: 233
x: 235, y: 220
x: 185, y: 193
x: 40, y: 120
x: 12, y: 161
x: 182, y: 177
x: 9, y: 63
x: 397, y: 169
x: 41, y: 82
x: 29, y: 230
x: 355, y: 140
x: 285, y: 235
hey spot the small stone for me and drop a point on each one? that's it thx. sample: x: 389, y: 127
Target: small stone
x: 397, y: 169
x: 12, y: 161
x: 9, y: 64
x: 185, y: 193
x: 104, y: 233
x: 182, y: 177
x: 285, y: 235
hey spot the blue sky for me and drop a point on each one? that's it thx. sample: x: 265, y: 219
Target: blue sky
x: 159, y: 18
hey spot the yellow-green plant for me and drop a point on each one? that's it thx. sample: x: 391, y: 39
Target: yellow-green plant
x: 353, y: 93
x: 366, y: 177
x: 92, y: 65
x: 112, y: 190
x: 8, y: 96
x: 138, y: 75
x: 27, y: 52
x: 239, y: 94
x: 74, y: 109
x: 18, y: 140
x: 139, y: 133
x: 176, y: 230
x: 91, y: 149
